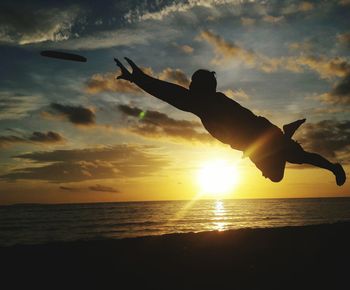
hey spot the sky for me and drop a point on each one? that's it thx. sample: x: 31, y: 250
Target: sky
x: 70, y: 132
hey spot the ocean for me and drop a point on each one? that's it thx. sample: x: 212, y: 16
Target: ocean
x: 38, y: 223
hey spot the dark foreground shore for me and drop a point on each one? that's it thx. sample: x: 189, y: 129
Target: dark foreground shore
x: 309, y: 257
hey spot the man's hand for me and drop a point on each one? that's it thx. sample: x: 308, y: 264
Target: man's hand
x: 173, y: 94
x: 125, y: 74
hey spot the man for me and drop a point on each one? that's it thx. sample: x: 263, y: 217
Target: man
x: 226, y: 120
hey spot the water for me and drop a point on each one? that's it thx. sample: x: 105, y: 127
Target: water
x: 35, y: 224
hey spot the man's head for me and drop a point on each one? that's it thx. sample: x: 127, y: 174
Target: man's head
x: 203, y: 82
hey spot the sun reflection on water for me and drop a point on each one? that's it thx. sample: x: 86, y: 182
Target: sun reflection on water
x: 219, y: 214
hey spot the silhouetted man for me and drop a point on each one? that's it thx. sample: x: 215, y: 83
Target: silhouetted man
x: 226, y: 120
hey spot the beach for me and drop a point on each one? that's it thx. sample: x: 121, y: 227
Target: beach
x: 293, y: 257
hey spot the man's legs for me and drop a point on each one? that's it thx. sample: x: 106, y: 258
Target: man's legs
x: 289, y: 129
x: 297, y: 155
x: 271, y: 167
x: 317, y: 160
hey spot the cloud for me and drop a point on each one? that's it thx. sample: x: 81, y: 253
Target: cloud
x: 110, y: 38
x: 304, y: 46
x: 340, y: 94
x: 344, y: 2
x: 107, y: 82
x: 330, y: 138
x: 186, y: 49
x: 37, y: 138
x: 344, y: 39
x: 141, y: 14
x: 49, y: 137
x: 247, y: 21
x: 17, y: 106
x: 175, y: 75
x: 116, y: 162
x: 325, y: 67
x: 342, y: 89
x: 118, y: 35
x: 226, y: 51
x: 273, y: 19
x: 230, y: 51
x: 154, y: 124
x: 77, y: 115
x: 237, y: 94
x: 68, y: 188
x: 25, y: 26
x: 330, y: 110
x: 97, y: 187
x: 301, y: 7
x: 103, y: 188
x: 305, y: 6
x: 329, y: 68
x: 140, y: 24
x: 6, y: 141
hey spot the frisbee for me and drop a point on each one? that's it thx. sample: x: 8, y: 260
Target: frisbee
x: 63, y: 55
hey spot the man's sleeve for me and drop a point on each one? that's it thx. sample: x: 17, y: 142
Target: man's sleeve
x: 173, y: 94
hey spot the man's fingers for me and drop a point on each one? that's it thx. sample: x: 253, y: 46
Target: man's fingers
x: 119, y: 63
x: 125, y: 74
x: 132, y: 64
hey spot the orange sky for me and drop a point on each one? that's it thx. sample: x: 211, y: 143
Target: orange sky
x: 178, y: 181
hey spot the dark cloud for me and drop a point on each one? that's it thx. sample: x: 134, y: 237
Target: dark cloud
x: 103, y: 188
x: 328, y: 137
x: 341, y: 91
x: 340, y: 94
x: 49, y: 137
x: 130, y: 111
x: 9, y: 140
x: 24, y: 26
x: 35, y: 138
x: 67, y: 24
x: 67, y: 188
x: 155, y: 124
x: 121, y: 161
x: 77, y: 115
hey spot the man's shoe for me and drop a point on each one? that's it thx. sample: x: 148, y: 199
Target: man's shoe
x: 289, y: 129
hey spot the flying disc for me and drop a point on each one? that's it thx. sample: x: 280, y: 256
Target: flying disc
x: 63, y: 55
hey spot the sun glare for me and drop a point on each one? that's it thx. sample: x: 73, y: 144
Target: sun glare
x: 217, y: 177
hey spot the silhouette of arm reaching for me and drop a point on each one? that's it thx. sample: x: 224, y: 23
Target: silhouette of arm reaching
x: 173, y: 94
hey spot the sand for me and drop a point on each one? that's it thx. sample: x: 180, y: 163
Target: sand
x: 308, y: 257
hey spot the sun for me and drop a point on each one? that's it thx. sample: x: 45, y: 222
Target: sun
x: 217, y: 177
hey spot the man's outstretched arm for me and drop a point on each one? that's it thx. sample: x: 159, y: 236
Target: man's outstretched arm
x: 173, y: 94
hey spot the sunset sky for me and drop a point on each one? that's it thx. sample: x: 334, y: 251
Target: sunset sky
x: 70, y: 132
